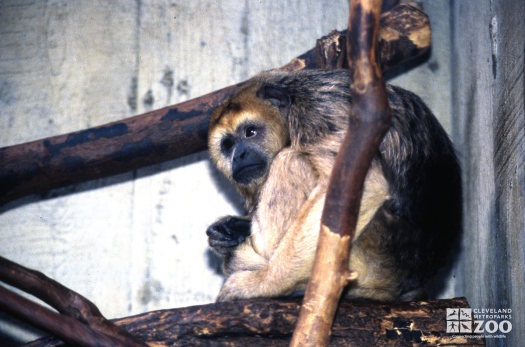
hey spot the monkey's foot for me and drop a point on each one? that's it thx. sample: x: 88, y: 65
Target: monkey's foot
x: 241, y: 285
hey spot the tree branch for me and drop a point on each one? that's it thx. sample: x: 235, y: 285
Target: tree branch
x: 370, y: 116
x: 64, y: 327
x: 87, y: 323
x: 270, y: 322
x: 175, y: 131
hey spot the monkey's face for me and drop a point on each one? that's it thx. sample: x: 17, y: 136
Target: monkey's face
x: 245, y: 135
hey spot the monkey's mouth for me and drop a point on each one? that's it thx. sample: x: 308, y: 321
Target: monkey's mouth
x: 246, y: 174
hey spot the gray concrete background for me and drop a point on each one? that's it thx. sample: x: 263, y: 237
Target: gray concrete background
x: 489, y: 129
x: 136, y: 242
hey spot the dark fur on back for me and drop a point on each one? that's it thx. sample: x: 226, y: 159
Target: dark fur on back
x: 416, y: 155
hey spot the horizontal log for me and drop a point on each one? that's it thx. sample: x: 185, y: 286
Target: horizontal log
x: 172, y: 132
x: 270, y: 322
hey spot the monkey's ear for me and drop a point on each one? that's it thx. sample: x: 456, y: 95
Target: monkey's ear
x: 277, y: 96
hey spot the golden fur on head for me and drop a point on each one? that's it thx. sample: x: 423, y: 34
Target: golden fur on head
x: 244, y: 108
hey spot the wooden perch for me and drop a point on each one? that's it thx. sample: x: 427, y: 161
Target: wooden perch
x: 370, y: 120
x: 175, y: 131
x: 270, y: 322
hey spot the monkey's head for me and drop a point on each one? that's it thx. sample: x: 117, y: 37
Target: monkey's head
x: 246, y: 132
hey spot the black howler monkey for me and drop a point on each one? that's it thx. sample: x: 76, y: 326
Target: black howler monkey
x: 277, y: 139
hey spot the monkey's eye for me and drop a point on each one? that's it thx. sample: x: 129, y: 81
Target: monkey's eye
x: 250, y: 132
x: 226, y: 145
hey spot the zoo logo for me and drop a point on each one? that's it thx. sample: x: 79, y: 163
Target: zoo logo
x: 459, y: 320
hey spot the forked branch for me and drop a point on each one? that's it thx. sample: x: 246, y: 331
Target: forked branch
x: 80, y: 321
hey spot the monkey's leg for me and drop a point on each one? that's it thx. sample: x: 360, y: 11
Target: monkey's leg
x: 387, y: 258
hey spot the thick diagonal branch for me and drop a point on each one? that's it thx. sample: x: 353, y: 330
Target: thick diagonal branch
x: 370, y: 116
x: 175, y: 131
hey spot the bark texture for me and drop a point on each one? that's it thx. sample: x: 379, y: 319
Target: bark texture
x: 270, y: 322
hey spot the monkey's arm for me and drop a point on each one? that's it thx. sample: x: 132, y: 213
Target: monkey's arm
x: 283, y: 195
x: 227, y: 233
x: 288, y: 268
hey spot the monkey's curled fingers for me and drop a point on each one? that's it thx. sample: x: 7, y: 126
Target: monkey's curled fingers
x: 227, y: 233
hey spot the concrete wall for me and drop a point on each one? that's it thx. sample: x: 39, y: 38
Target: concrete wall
x: 489, y: 129
x: 136, y: 242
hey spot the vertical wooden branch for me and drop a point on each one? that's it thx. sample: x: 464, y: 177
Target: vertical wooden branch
x: 370, y: 121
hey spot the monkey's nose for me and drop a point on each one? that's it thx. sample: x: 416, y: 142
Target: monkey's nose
x: 240, y: 155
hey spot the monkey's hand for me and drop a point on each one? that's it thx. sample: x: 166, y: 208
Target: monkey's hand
x: 227, y: 233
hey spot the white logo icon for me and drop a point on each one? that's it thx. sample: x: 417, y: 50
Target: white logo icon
x: 459, y: 320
